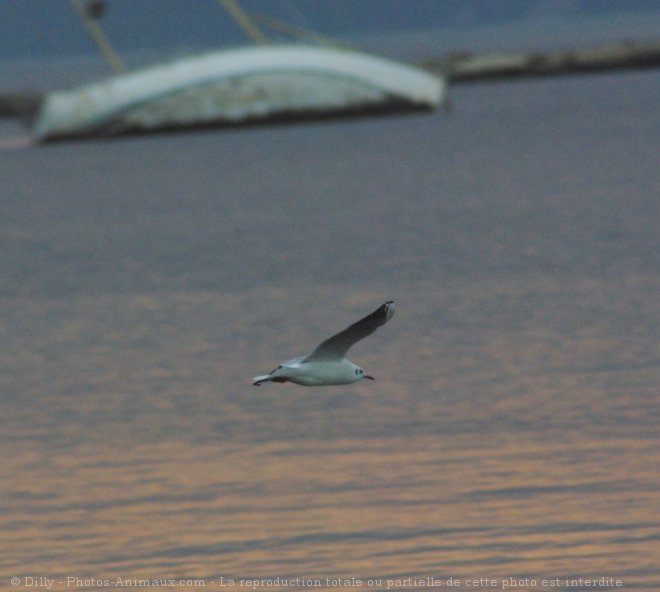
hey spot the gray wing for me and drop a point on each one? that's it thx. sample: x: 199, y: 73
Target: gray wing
x: 336, y: 347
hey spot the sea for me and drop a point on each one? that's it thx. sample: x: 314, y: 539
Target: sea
x: 510, y: 439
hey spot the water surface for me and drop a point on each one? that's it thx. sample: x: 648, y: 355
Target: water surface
x: 512, y: 428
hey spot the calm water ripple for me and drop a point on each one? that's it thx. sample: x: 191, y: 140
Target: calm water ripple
x: 512, y: 428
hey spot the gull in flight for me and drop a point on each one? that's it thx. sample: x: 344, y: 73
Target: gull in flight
x: 327, y: 364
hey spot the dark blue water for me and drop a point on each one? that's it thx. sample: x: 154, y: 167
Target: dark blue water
x: 512, y: 428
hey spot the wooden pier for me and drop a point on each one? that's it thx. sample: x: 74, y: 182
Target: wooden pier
x: 463, y: 68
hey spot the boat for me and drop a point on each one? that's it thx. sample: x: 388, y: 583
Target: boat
x: 255, y: 84
x: 262, y: 83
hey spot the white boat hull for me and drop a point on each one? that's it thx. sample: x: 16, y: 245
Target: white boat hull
x: 236, y: 87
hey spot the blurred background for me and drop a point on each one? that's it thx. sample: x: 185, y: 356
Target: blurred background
x: 511, y: 431
x: 147, y: 31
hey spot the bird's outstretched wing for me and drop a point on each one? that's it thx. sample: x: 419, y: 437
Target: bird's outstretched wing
x: 336, y: 347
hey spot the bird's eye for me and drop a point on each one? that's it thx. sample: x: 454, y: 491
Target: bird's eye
x: 361, y: 371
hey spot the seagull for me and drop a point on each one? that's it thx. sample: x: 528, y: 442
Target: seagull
x: 327, y: 364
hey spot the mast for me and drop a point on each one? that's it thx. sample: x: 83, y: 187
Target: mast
x: 99, y: 39
x: 243, y: 21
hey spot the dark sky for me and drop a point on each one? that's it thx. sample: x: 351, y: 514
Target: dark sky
x: 34, y: 28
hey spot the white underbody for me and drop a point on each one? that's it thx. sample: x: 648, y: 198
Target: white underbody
x: 327, y: 364
x: 314, y: 373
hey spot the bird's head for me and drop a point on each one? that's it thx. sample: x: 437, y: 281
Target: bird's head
x: 361, y: 374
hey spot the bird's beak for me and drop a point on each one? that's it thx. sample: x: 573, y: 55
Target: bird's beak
x: 369, y: 377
